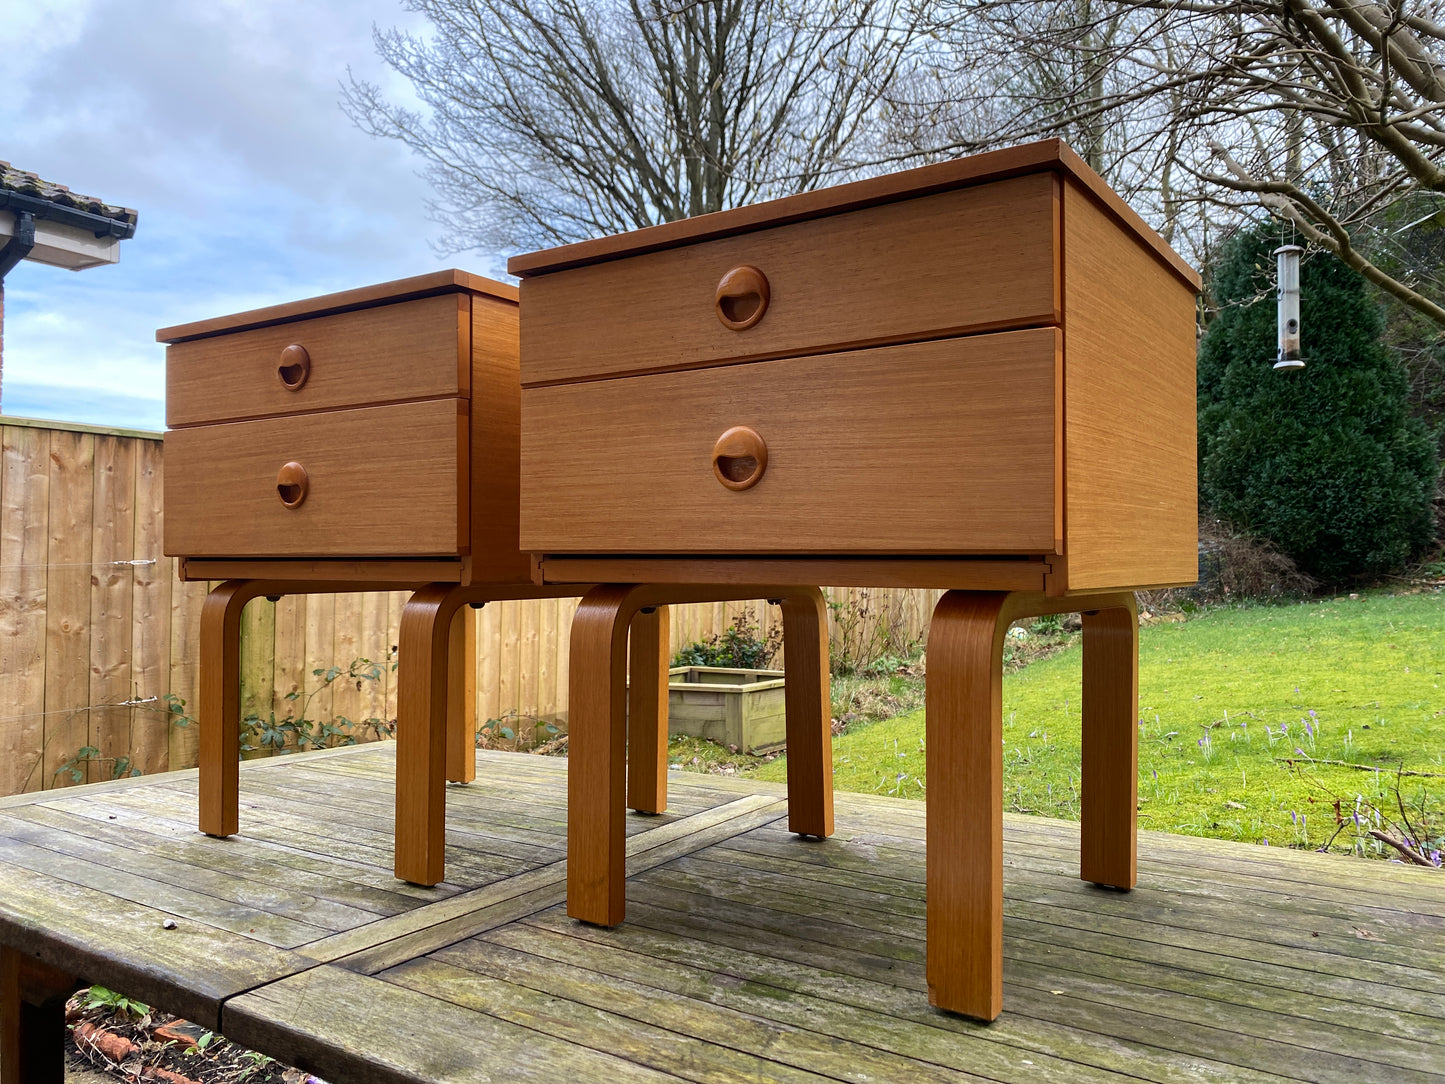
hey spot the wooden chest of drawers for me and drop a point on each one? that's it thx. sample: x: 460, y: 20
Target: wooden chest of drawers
x: 366, y: 439
x: 991, y: 358
x: 977, y: 375
x: 378, y: 426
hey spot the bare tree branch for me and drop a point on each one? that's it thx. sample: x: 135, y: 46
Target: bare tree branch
x: 547, y: 121
x: 1331, y: 112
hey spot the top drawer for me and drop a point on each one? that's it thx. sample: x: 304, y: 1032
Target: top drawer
x: 409, y: 350
x: 971, y: 259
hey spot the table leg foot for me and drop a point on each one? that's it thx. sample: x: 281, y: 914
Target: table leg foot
x: 808, y: 706
x: 1110, y: 775
x: 424, y: 654
x: 219, y: 711
x: 596, y: 757
x: 964, y: 712
x: 648, y: 657
x: 32, y: 1019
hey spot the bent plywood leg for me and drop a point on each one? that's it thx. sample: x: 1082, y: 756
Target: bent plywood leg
x: 809, y: 709
x: 965, y: 803
x: 424, y: 658
x: 219, y: 712
x: 596, y: 757
x: 648, y: 656
x: 32, y: 1019
x: 1110, y: 775
x: 462, y: 697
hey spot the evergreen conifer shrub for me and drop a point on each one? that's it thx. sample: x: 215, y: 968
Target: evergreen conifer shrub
x: 1326, y: 463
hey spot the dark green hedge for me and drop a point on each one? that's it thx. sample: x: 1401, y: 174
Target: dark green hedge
x: 1326, y: 462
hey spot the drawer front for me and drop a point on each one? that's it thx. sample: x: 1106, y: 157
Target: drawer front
x: 412, y: 350
x: 945, y: 447
x: 968, y: 260
x: 378, y: 481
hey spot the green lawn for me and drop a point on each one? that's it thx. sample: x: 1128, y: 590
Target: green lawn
x: 1238, y: 710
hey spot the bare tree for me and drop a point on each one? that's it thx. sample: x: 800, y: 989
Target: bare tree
x: 1325, y: 114
x: 547, y: 121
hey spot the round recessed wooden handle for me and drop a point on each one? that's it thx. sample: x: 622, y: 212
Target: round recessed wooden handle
x: 742, y: 297
x: 292, y: 482
x: 295, y: 367
x: 739, y: 457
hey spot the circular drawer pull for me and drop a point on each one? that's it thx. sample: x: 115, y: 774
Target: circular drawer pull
x: 292, y: 483
x: 739, y: 457
x: 295, y: 367
x: 742, y: 297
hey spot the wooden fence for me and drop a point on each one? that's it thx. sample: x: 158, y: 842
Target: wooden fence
x: 98, y: 637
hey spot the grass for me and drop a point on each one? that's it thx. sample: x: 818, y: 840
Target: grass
x: 1240, y: 710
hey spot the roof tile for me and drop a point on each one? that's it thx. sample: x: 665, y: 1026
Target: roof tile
x: 28, y: 184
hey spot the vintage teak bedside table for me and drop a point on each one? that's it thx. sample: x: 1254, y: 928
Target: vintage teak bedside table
x: 364, y: 440
x: 977, y: 375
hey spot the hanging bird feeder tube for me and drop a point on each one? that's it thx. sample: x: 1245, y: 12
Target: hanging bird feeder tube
x: 1287, y: 280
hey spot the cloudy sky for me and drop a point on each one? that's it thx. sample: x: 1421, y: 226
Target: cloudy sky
x: 218, y: 122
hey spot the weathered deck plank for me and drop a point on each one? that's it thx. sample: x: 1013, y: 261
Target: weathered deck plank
x: 363, y: 1030
x: 747, y: 955
x: 1341, y: 932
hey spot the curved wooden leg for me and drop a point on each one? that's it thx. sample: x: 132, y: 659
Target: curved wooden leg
x: 809, y: 709
x: 596, y: 758
x: 648, y: 656
x: 964, y: 732
x: 424, y: 656
x: 462, y: 697
x: 219, y: 711
x: 1110, y: 775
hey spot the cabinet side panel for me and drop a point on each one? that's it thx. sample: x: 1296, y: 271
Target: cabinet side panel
x: 496, y: 442
x: 1131, y: 493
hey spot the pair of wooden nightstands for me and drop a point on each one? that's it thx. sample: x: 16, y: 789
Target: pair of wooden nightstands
x: 976, y: 376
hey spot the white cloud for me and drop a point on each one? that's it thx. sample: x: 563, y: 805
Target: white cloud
x: 219, y: 124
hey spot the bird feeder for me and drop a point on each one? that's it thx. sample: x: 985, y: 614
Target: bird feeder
x: 1287, y: 277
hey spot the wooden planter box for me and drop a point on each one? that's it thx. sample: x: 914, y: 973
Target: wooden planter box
x: 741, y: 708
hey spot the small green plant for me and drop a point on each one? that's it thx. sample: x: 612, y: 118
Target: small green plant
x: 256, y: 1062
x: 122, y: 766
x: 1048, y: 625
x: 296, y: 732
x: 736, y: 646
x: 101, y: 999
x: 202, y: 1044
x: 119, y: 767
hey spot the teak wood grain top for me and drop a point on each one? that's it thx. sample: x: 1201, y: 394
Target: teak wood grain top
x: 437, y: 282
x: 1049, y: 154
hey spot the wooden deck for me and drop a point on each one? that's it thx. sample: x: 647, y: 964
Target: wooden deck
x: 747, y: 955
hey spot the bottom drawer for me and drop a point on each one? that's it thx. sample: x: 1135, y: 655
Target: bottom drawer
x: 930, y: 448
x: 375, y: 481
